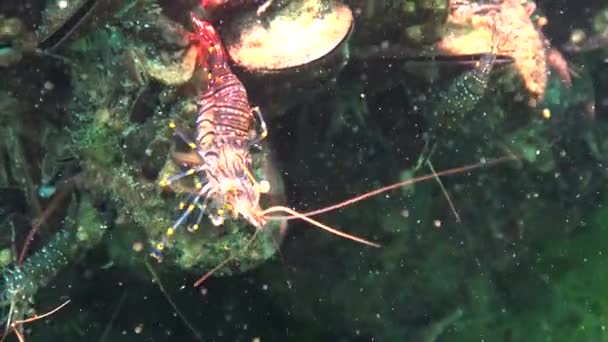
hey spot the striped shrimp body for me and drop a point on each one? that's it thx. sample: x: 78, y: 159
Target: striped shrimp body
x: 226, y: 130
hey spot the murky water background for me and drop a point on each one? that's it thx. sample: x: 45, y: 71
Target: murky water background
x: 510, y: 95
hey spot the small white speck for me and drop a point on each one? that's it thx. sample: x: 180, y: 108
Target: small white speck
x: 63, y: 4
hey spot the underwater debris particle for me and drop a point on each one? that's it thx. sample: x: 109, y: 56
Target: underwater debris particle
x: 137, y: 246
x: 578, y: 36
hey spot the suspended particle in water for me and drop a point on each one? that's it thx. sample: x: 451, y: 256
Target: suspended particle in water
x: 137, y: 246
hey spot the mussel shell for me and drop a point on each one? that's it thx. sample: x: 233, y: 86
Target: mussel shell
x: 290, y: 78
x: 288, y: 37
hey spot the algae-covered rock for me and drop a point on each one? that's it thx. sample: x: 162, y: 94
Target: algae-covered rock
x: 124, y: 139
x: 559, y: 297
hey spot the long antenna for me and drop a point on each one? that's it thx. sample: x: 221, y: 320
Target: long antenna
x: 395, y: 186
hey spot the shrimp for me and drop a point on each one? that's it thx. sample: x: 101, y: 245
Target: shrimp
x: 467, y: 90
x: 227, y: 127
